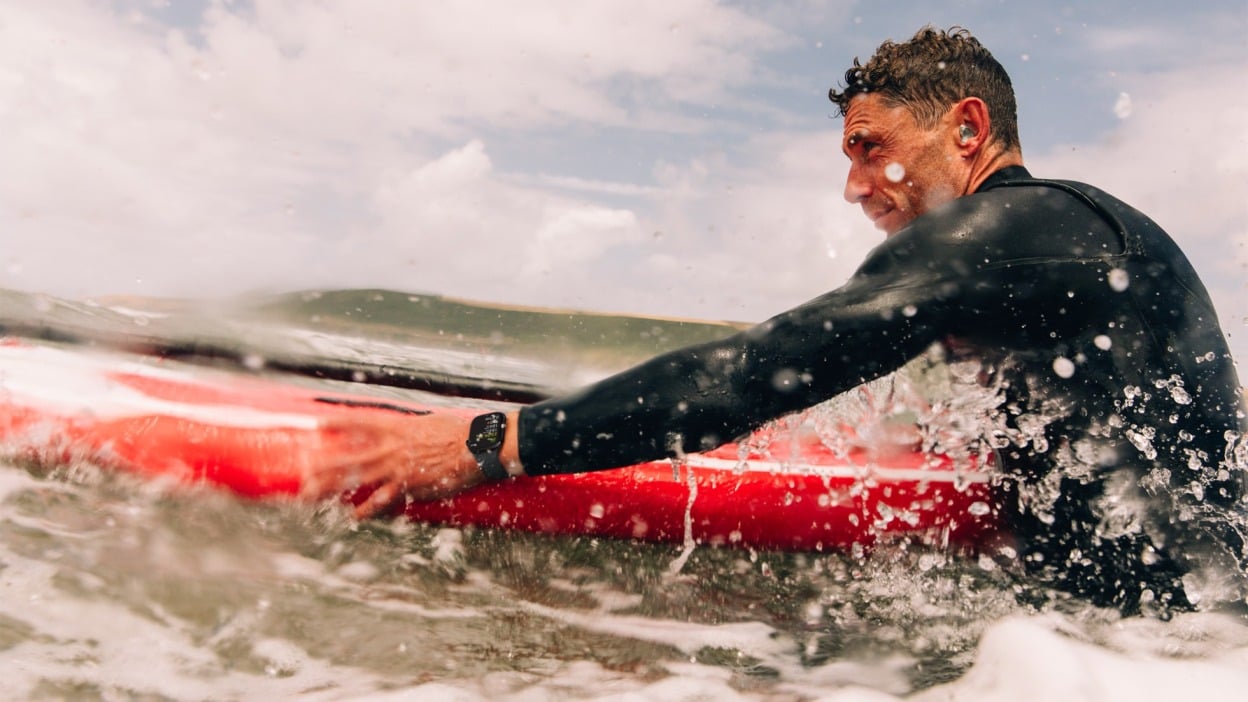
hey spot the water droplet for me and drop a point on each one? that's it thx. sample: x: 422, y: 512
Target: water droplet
x: 910, y: 310
x: 1119, y: 280
x: 1103, y: 342
x: 1142, y: 439
x: 1123, y: 107
x: 1064, y: 367
x: 895, y: 172
x: 785, y: 380
x: 596, y: 510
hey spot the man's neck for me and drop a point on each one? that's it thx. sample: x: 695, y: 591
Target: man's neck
x: 985, y: 166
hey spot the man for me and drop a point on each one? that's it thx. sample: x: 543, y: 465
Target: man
x: 1123, y: 464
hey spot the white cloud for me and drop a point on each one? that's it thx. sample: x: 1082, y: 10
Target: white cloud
x: 762, y: 235
x: 1110, y: 40
x: 398, y: 68
x: 453, y: 225
x: 257, y: 150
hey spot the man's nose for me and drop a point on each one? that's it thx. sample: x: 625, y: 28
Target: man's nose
x: 857, y: 187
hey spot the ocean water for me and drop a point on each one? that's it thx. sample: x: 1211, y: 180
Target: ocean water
x: 112, y: 588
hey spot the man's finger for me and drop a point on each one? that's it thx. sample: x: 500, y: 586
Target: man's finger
x: 378, y: 500
x: 333, y: 476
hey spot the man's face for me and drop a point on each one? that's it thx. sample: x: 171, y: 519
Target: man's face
x: 898, y: 170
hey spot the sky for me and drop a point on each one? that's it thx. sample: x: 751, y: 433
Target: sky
x: 674, y: 157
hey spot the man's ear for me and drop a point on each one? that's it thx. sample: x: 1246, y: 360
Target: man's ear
x: 971, y: 123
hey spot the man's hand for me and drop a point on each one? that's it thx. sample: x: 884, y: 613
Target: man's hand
x: 424, y: 457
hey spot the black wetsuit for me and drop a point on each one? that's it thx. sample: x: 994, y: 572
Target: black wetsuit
x: 1081, y: 308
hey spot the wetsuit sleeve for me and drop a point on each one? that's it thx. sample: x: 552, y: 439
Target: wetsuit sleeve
x: 700, y: 397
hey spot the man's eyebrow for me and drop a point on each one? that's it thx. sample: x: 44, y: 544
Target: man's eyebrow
x: 853, y: 138
x: 856, y: 136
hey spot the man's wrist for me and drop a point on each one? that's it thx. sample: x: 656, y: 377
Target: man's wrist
x: 510, y: 453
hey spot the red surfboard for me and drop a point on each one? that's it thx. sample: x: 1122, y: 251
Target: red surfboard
x: 257, y: 436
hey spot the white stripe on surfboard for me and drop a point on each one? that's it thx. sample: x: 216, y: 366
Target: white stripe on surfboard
x: 879, y: 471
x: 69, y: 384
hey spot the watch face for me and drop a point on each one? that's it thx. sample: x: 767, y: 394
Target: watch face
x: 486, y: 432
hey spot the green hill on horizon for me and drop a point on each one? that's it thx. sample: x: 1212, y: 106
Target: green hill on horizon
x: 444, y: 321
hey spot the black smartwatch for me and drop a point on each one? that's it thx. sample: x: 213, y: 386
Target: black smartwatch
x: 485, y: 438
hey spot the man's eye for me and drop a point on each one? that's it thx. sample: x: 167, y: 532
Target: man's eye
x: 861, y: 147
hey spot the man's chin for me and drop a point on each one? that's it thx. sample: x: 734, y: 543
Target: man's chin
x: 892, y: 222
x: 888, y: 223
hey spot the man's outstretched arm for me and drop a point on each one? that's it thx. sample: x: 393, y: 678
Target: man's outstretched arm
x: 901, y: 301
x: 687, y: 400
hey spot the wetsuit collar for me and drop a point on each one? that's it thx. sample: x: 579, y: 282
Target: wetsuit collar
x: 1004, y: 175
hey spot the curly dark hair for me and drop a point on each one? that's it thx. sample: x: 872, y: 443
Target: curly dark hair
x: 931, y: 72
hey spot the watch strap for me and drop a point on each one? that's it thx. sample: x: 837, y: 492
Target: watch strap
x: 491, y: 467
